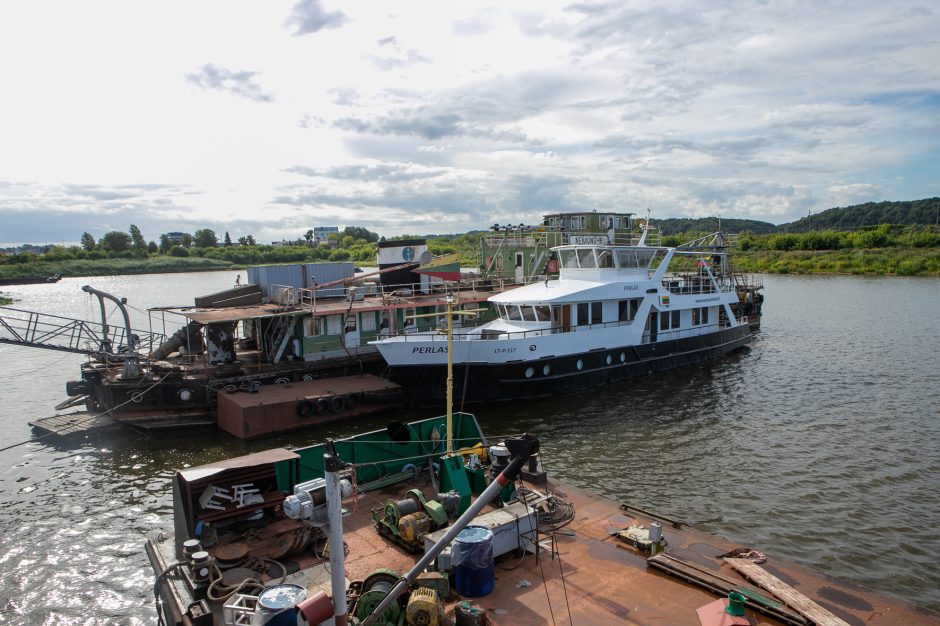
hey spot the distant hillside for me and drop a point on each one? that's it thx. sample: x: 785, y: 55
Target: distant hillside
x: 676, y: 226
x: 913, y: 212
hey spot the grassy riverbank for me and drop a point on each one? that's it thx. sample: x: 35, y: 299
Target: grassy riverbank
x: 107, y: 267
x: 874, y: 262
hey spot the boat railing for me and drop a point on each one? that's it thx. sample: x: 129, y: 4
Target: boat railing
x: 414, y: 293
x: 698, y: 284
x: 684, y: 333
x: 43, y: 330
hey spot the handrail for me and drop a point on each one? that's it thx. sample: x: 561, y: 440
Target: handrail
x: 44, y: 330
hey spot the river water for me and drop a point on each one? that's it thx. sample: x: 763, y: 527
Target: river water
x: 819, y: 443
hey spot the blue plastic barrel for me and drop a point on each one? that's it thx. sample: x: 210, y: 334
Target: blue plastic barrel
x: 276, y: 605
x: 472, y: 558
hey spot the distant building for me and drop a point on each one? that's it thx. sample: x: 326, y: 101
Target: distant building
x: 176, y: 239
x: 322, y: 233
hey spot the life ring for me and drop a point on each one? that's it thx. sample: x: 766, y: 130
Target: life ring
x: 352, y: 400
x: 306, y: 408
x: 322, y: 405
x: 337, y: 404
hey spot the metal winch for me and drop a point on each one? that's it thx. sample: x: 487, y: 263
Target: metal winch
x: 407, y: 521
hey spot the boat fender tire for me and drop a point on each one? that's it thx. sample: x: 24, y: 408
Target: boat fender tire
x: 352, y: 400
x: 306, y: 408
x: 337, y: 404
x: 323, y: 405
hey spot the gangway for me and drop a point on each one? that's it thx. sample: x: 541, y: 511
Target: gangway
x: 52, y: 332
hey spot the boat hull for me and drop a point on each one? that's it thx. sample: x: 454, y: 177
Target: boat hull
x: 538, y: 378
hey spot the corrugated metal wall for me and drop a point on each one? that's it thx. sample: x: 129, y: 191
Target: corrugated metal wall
x: 300, y: 276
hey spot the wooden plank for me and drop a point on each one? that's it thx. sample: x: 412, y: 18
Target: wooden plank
x: 722, y: 586
x: 71, y: 423
x: 793, y: 598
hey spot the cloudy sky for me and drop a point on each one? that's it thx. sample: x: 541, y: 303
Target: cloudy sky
x: 269, y: 118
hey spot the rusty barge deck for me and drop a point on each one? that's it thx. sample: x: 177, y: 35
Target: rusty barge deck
x: 584, y: 574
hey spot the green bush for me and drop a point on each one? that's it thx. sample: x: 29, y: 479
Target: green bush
x: 783, y: 242
x: 179, y: 251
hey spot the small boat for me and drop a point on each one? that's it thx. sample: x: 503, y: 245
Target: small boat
x: 615, y: 311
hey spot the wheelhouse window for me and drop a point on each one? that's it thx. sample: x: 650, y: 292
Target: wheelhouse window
x: 569, y: 259
x: 514, y: 313
x: 605, y: 258
x: 543, y: 313
x: 586, y: 258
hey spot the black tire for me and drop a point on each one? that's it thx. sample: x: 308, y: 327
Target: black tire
x: 323, y: 406
x: 306, y: 408
x: 337, y: 404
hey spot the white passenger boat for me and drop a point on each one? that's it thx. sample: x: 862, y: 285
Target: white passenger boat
x: 614, y: 312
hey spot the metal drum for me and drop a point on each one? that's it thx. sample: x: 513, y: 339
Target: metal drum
x: 473, y: 562
x: 276, y: 605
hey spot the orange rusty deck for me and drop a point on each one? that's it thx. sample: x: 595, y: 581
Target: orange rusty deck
x: 596, y: 579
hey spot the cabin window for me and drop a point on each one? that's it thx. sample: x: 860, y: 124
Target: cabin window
x: 645, y: 257
x: 334, y: 324
x: 583, y: 313
x: 543, y: 313
x: 409, y: 315
x: 367, y: 322
x: 514, y: 313
x: 597, y: 312
x: 569, y: 259
x: 605, y: 258
x: 314, y: 327
x: 626, y: 309
x: 700, y: 316
x: 528, y: 314
x: 586, y: 257
x: 577, y: 222
x: 351, y: 323
x: 669, y: 319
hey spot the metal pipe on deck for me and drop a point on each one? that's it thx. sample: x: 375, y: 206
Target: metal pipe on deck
x: 334, y: 499
x: 521, y: 448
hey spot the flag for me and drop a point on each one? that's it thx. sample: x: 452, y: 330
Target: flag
x: 446, y: 267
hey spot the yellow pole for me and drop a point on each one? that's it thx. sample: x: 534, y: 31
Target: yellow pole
x: 450, y: 375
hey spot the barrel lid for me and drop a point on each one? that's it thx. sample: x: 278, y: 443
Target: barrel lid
x: 475, y: 534
x: 282, y: 596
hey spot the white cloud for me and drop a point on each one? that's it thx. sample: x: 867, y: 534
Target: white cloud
x: 418, y: 117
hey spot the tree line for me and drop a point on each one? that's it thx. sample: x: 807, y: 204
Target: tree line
x: 353, y: 243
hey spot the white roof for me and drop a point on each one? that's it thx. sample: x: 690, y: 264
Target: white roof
x: 568, y: 290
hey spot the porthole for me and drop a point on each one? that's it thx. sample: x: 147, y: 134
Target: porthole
x: 623, y: 357
x: 308, y: 377
x: 282, y: 381
x: 546, y: 369
x: 137, y: 396
x: 529, y: 372
x: 185, y: 395
x: 579, y: 364
x: 610, y: 359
